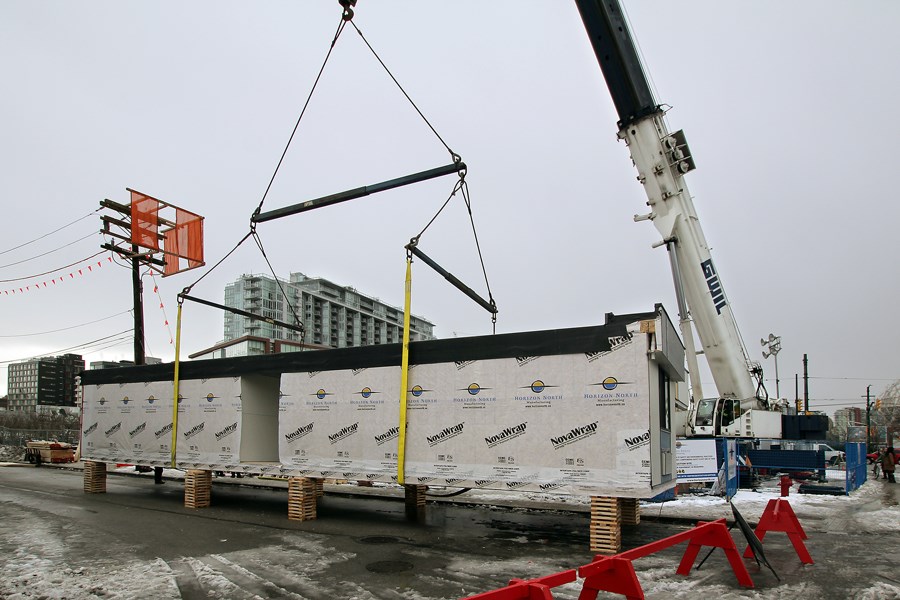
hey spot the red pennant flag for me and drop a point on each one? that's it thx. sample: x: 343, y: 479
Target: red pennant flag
x: 99, y: 263
x: 71, y: 275
x: 20, y: 291
x: 109, y: 258
x: 54, y: 282
x: 90, y: 267
x: 79, y: 272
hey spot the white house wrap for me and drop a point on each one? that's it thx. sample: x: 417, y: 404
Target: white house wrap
x: 581, y: 411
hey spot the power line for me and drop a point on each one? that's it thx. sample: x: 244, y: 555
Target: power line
x: 51, y: 233
x: 65, y: 328
x: 52, y: 270
x: 49, y: 251
x: 64, y: 350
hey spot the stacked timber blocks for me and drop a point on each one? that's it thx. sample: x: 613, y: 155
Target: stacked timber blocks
x: 302, y: 494
x: 606, y: 525
x: 94, y: 477
x: 631, y: 511
x: 320, y: 487
x: 415, y: 501
x: 197, y: 488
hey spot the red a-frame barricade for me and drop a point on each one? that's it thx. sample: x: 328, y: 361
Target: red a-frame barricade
x: 616, y: 573
x: 779, y: 516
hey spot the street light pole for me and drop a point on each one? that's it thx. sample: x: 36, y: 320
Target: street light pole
x: 774, y: 343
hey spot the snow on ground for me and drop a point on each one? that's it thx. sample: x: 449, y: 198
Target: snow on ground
x: 41, y: 561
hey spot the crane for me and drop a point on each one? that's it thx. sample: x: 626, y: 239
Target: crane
x: 662, y: 159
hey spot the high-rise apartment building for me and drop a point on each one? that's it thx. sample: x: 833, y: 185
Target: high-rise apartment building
x: 333, y: 316
x: 43, y: 382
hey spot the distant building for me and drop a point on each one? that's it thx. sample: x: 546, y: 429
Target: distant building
x: 110, y: 364
x: 847, y: 417
x: 39, y: 384
x: 332, y: 316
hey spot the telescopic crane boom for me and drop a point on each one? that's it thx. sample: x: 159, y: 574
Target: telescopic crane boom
x: 662, y: 159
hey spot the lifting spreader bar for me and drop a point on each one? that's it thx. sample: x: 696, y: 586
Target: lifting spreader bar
x: 491, y: 307
x: 359, y: 192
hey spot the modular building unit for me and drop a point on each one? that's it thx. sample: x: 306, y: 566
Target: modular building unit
x: 582, y: 411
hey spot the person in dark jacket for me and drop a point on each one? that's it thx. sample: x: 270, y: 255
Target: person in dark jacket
x: 887, y: 465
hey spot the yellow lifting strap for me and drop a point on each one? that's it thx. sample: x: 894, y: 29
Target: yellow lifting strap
x: 404, y: 376
x: 175, y: 393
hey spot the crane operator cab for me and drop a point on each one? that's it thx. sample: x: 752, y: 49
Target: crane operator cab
x: 712, y: 414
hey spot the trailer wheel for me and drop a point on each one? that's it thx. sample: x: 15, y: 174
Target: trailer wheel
x: 29, y: 458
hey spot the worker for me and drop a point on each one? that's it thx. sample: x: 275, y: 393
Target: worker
x: 887, y: 464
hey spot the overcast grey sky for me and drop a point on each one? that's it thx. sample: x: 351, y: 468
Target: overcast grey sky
x: 787, y: 108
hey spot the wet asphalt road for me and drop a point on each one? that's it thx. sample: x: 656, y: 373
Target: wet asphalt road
x: 139, y: 541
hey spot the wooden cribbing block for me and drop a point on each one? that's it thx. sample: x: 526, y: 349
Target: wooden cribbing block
x: 197, y: 488
x: 302, y: 496
x: 415, y: 501
x: 631, y: 511
x: 94, y: 477
x: 606, y: 525
x: 320, y: 487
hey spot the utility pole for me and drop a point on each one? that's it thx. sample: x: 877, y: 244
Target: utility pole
x: 138, y: 291
x: 805, y: 383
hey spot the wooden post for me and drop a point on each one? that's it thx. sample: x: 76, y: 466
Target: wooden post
x: 606, y: 525
x: 302, y: 495
x: 197, y: 488
x: 415, y: 501
x: 94, y: 477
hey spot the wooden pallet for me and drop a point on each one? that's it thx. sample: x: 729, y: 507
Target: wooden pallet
x: 302, y: 495
x: 631, y: 511
x: 320, y: 487
x: 94, y: 477
x: 606, y: 525
x: 197, y: 488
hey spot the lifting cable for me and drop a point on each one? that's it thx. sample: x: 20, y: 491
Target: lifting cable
x: 346, y: 15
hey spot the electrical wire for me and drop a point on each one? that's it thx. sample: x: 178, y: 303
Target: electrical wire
x: 66, y: 328
x: 77, y: 347
x: 93, y: 233
x: 51, y: 233
x: 53, y: 270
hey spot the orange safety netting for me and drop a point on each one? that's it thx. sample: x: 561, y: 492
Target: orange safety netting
x: 185, y: 240
x: 144, y: 221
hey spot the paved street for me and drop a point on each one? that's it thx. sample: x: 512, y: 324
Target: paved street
x: 138, y: 541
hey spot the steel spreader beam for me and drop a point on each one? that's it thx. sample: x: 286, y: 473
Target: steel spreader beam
x: 488, y: 306
x: 358, y: 192
x: 244, y: 313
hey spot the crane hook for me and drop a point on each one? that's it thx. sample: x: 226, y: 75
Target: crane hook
x: 348, y: 8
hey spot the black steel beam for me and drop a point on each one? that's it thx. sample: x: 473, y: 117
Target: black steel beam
x: 244, y: 313
x: 357, y: 192
x: 488, y: 306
